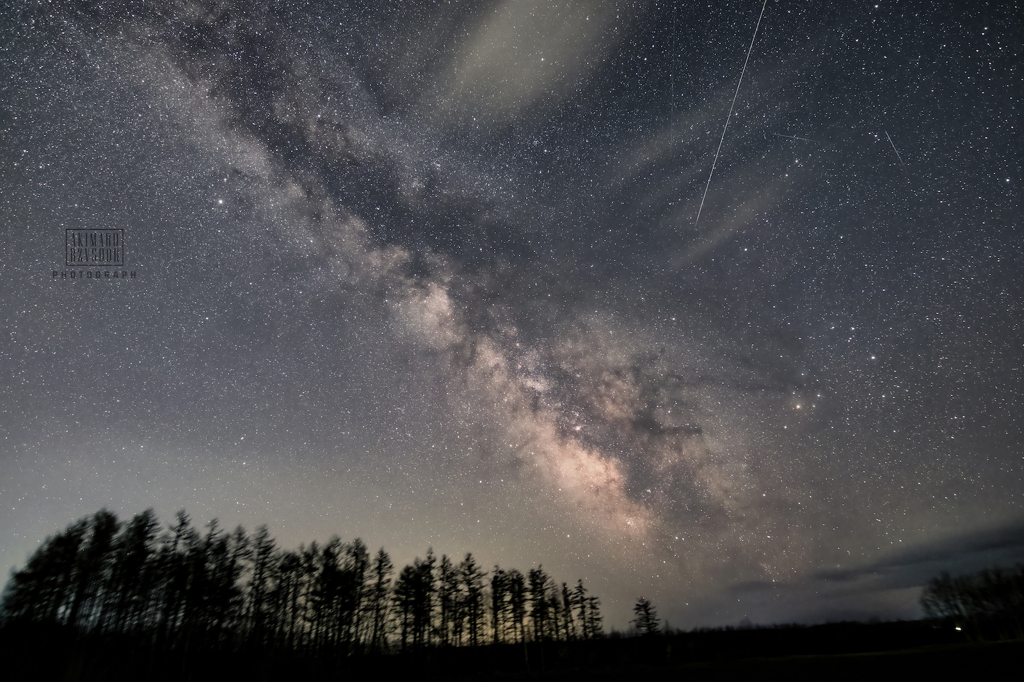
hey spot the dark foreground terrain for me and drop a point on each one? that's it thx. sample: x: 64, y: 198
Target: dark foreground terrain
x: 844, y: 651
x: 989, y: 661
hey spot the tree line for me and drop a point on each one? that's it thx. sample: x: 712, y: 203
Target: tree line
x: 985, y: 605
x: 181, y: 589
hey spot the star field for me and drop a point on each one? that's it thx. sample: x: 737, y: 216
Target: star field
x: 430, y: 274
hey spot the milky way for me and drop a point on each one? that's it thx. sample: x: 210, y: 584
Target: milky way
x: 432, y: 276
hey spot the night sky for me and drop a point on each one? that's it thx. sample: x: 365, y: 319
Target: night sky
x: 431, y: 274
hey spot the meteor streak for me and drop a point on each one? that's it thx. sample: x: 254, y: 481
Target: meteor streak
x: 794, y: 137
x: 731, y: 107
x: 897, y: 152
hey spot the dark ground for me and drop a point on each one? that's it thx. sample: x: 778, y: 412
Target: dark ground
x: 842, y: 651
x: 984, y: 661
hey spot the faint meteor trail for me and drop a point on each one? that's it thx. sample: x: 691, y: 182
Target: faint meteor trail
x: 794, y: 137
x: 897, y: 152
x: 731, y: 107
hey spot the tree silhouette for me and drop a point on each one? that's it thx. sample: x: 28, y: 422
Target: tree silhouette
x: 579, y: 602
x: 404, y: 599
x: 414, y: 601
x: 499, y: 604
x: 130, y: 583
x: 263, y: 566
x: 93, y: 564
x: 988, y: 604
x: 515, y: 583
x: 354, y: 592
x: 447, y: 599
x: 174, y: 578
x: 540, y: 608
x: 286, y: 599
x: 568, y: 622
x: 191, y: 593
x: 594, y: 618
x: 646, y: 617
x: 325, y: 594
x: 473, y: 598
x: 424, y: 598
x: 43, y: 590
x: 378, y: 600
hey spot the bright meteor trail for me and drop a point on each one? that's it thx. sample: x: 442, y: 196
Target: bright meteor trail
x: 729, y: 115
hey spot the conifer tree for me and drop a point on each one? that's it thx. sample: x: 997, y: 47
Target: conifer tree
x: 517, y: 597
x: 182, y: 591
x: 378, y: 601
x: 263, y: 559
x: 646, y: 619
x: 499, y: 604
x: 594, y: 617
x: 540, y: 607
x: 447, y: 595
x: 93, y: 564
x: 473, y: 591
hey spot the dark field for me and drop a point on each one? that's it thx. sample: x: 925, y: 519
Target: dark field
x: 845, y: 651
x: 991, y: 661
